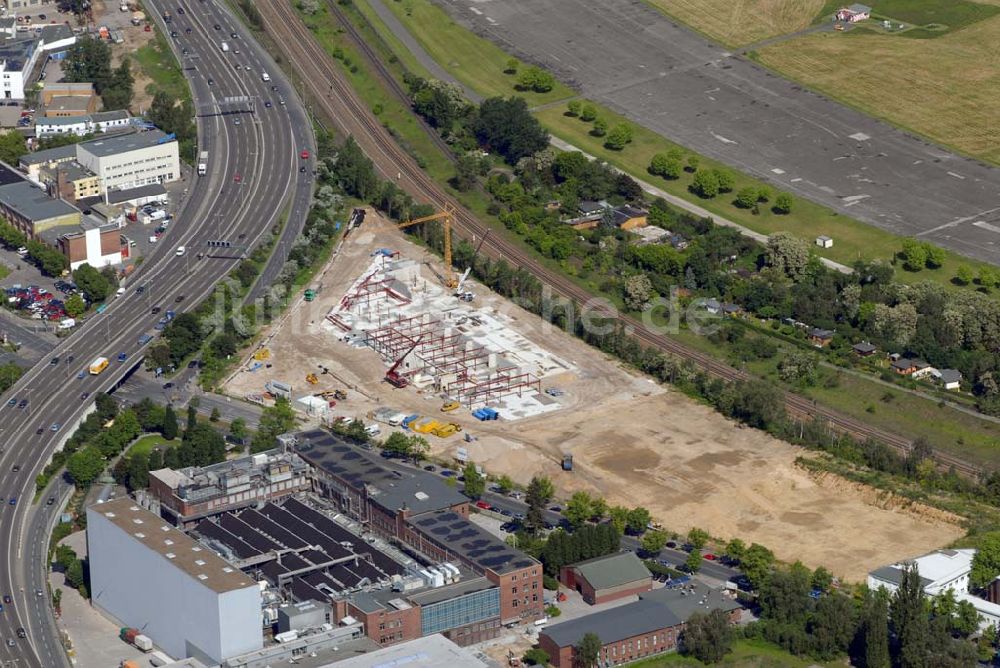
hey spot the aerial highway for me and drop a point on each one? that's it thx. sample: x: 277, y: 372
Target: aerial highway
x: 253, y: 179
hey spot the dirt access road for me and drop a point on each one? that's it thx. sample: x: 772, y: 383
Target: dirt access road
x: 634, y: 442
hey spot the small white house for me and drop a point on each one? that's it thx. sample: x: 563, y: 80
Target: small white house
x: 854, y: 13
x: 940, y: 571
x: 950, y: 379
x: 824, y: 241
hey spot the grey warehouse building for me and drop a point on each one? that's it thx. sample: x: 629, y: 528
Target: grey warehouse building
x: 197, y: 605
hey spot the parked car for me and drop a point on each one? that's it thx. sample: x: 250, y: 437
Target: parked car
x: 482, y: 505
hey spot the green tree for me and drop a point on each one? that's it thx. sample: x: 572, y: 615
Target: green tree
x: 170, y: 428
x: 91, y: 282
x: 238, y: 428
x: 138, y: 471
x: 914, y: 254
x: 88, y: 59
x: 619, y: 136
x: 756, y: 563
x: 697, y: 538
x: 535, y: 79
x: 619, y: 517
x: 873, y: 631
x: 536, y: 656
x: 74, y: 305
x: 588, y: 113
x: 192, y: 416
x: 735, y: 550
x: 573, y: 108
x: 726, y: 180
x: 986, y: 562
x: 118, y: 93
x: 84, y: 466
x: 964, y: 275
x: 693, y: 561
x: 48, y: 259
x: 637, y: 520
x: 909, y: 619
x: 588, y: 650
x: 707, y: 637
x: 511, y: 66
x: 539, y: 492
x: 578, y: 509
x: 216, y: 414
x: 475, y: 484
x: 783, y: 203
x: 706, y: 184
x: 274, y: 421
x: 600, y: 127
x: 966, y: 619
x: 466, y: 173
x: 505, y: 484
x: 935, y: 255
x: 12, y: 147
x: 10, y: 373
x: 653, y: 542
x: 746, y: 198
x: 693, y: 162
x: 508, y: 128
x: 822, y: 579
x: 832, y: 626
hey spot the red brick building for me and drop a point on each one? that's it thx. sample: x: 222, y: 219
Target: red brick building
x: 607, y: 578
x: 650, y: 626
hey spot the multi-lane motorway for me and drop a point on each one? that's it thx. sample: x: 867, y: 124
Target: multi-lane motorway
x: 263, y: 150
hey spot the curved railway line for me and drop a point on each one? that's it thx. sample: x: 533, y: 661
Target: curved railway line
x: 330, y: 89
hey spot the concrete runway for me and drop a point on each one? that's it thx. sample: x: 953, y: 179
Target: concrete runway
x: 640, y: 63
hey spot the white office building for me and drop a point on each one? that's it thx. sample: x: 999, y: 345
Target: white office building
x: 19, y: 56
x: 102, y: 121
x: 940, y: 571
x: 148, y: 575
x: 128, y: 161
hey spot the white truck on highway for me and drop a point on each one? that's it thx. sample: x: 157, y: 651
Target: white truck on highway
x: 203, y: 163
x: 264, y: 76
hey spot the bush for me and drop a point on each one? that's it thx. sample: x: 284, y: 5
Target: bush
x: 550, y: 583
x: 552, y: 611
x: 536, y: 656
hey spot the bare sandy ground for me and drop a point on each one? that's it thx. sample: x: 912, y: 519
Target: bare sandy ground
x: 633, y: 441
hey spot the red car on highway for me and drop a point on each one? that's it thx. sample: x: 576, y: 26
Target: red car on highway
x: 304, y: 155
x: 483, y: 505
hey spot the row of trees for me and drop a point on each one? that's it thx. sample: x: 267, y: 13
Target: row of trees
x: 586, y: 542
x: 49, y: 261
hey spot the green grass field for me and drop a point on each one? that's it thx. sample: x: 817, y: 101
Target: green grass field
x: 951, y: 14
x: 157, y: 62
x: 146, y: 444
x: 476, y: 62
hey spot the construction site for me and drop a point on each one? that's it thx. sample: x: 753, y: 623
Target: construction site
x: 389, y: 336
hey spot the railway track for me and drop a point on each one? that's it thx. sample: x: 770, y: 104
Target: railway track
x: 331, y: 90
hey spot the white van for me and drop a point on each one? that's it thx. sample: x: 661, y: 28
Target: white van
x: 119, y: 292
x: 225, y: 47
x: 373, y: 430
x: 181, y: 250
x: 264, y: 76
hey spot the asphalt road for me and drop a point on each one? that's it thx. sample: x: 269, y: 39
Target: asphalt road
x: 637, y: 61
x: 264, y: 150
x: 139, y: 387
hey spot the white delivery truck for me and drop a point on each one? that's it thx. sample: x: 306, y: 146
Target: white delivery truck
x: 264, y: 76
x: 225, y: 47
x: 203, y: 163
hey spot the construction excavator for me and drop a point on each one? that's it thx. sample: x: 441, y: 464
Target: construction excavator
x: 392, y: 376
x: 445, y: 218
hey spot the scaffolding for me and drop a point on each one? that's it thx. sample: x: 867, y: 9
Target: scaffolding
x: 493, y: 387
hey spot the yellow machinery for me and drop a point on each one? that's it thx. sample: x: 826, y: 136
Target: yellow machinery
x: 446, y: 430
x: 449, y: 406
x: 262, y: 354
x: 445, y: 218
x: 339, y: 395
x: 312, y: 379
x: 424, y: 425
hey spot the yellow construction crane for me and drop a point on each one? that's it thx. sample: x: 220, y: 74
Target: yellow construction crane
x: 445, y: 218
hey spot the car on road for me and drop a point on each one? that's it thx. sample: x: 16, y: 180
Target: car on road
x: 710, y: 557
x: 173, y: 33
x: 122, y: 357
x: 139, y: 290
x: 12, y: 403
x: 180, y: 10
x: 54, y: 361
x: 506, y: 513
x: 80, y: 375
x: 51, y: 500
x: 274, y: 88
x: 13, y: 500
x: 236, y: 121
x: 11, y: 643
x: 233, y: 35
x: 55, y: 426
x: 39, y: 431
x: 193, y: 364
x: 7, y: 599
x: 184, y: 52
x: 482, y: 505
x: 167, y: 386
x: 83, y: 397
x: 304, y: 155
x: 21, y: 633
x: 302, y: 169
x: 23, y: 403
x: 430, y: 467
x: 447, y: 473
x: 267, y: 103
x: 15, y: 468
x: 211, y: 82
x: 217, y: 26
x: 155, y: 310
x: 178, y: 299
x: 187, y: 30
